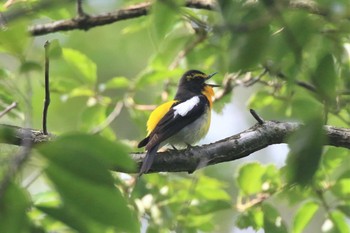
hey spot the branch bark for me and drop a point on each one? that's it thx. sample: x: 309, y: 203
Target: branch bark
x: 85, y: 22
x: 15, y: 135
x: 236, y: 147
x: 232, y: 148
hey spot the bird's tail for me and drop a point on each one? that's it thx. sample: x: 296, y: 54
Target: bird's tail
x: 148, y: 160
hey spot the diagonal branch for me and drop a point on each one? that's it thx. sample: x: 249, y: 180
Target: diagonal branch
x: 8, y: 109
x: 85, y: 22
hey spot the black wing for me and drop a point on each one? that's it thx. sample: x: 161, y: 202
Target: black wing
x: 171, y: 124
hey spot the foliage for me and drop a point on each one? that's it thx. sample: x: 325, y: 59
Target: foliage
x: 297, y: 58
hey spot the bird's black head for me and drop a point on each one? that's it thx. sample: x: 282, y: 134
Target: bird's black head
x: 193, y: 83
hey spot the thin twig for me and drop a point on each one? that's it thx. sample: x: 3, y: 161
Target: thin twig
x: 228, y: 84
x: 80, y: 10
x: 256, y: 117
x: 111, y: 117
x: 8, y: 109
x: 144, y: 107
x: 302, y: 84
x: 244, y: 206
x: 47, y: 87
x: 186, y: 50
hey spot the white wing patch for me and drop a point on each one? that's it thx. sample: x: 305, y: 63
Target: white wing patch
x: 183, y: 108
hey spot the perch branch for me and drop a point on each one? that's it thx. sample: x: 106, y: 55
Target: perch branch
x: 236, y: 147
x: 232, y: 148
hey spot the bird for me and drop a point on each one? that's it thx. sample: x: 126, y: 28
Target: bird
x: 182, y: 121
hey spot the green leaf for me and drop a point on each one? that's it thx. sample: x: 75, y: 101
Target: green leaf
x: 14, y: 39
x: 261, y: 99
x: 303, y: 216
x: 81, y: 64
x: 163, y: 18
x: 78, y: 168
x: 305, y: 107
x: 342, y: 188
x: 273, y: 221
x: 249, y: 178
x: 156, y: 77
x: 115, y: 83
x: 68, y: 217
x: 81, y: 91
x: 208, y: 207
x: 201, y: 222
x: 271, y: 179
x: 336, y: 223
x: 55, y: 49
x: 247, y: 50
x: 333, y: 158
x: 345, y: 209
x: 13, y: 208
x: 254, y: 217
x: 305, y: 152
x: 325, y: 77
x: 74, y: 150
x: 92, y: 117
x: 28, y: 66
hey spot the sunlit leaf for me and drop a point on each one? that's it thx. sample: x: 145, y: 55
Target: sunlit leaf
x: 303, y: 216
x: 84, y: 67
x: 92, y: 117
x: 115, y: 83
x: 333, y: 158
x: 336, y: 223
x: 14, y: 39
x: 55, y: 49
x: 163, y: 18
x: 342, y: 188
x: 249, y: 178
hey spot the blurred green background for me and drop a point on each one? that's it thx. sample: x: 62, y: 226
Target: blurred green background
x: 288, y: 60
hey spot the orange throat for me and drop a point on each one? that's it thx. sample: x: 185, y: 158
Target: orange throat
x: 209, y: 93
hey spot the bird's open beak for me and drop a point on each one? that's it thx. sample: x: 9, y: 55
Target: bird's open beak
x: 209, y: 77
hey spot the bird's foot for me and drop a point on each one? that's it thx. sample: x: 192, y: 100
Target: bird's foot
x: 189, y: 146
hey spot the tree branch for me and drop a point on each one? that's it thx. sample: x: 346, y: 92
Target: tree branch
x: 8, y: 109
x: 237, y: 146
x: 85, y: 22
x: 15, y: 135
x: 232, y: 148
